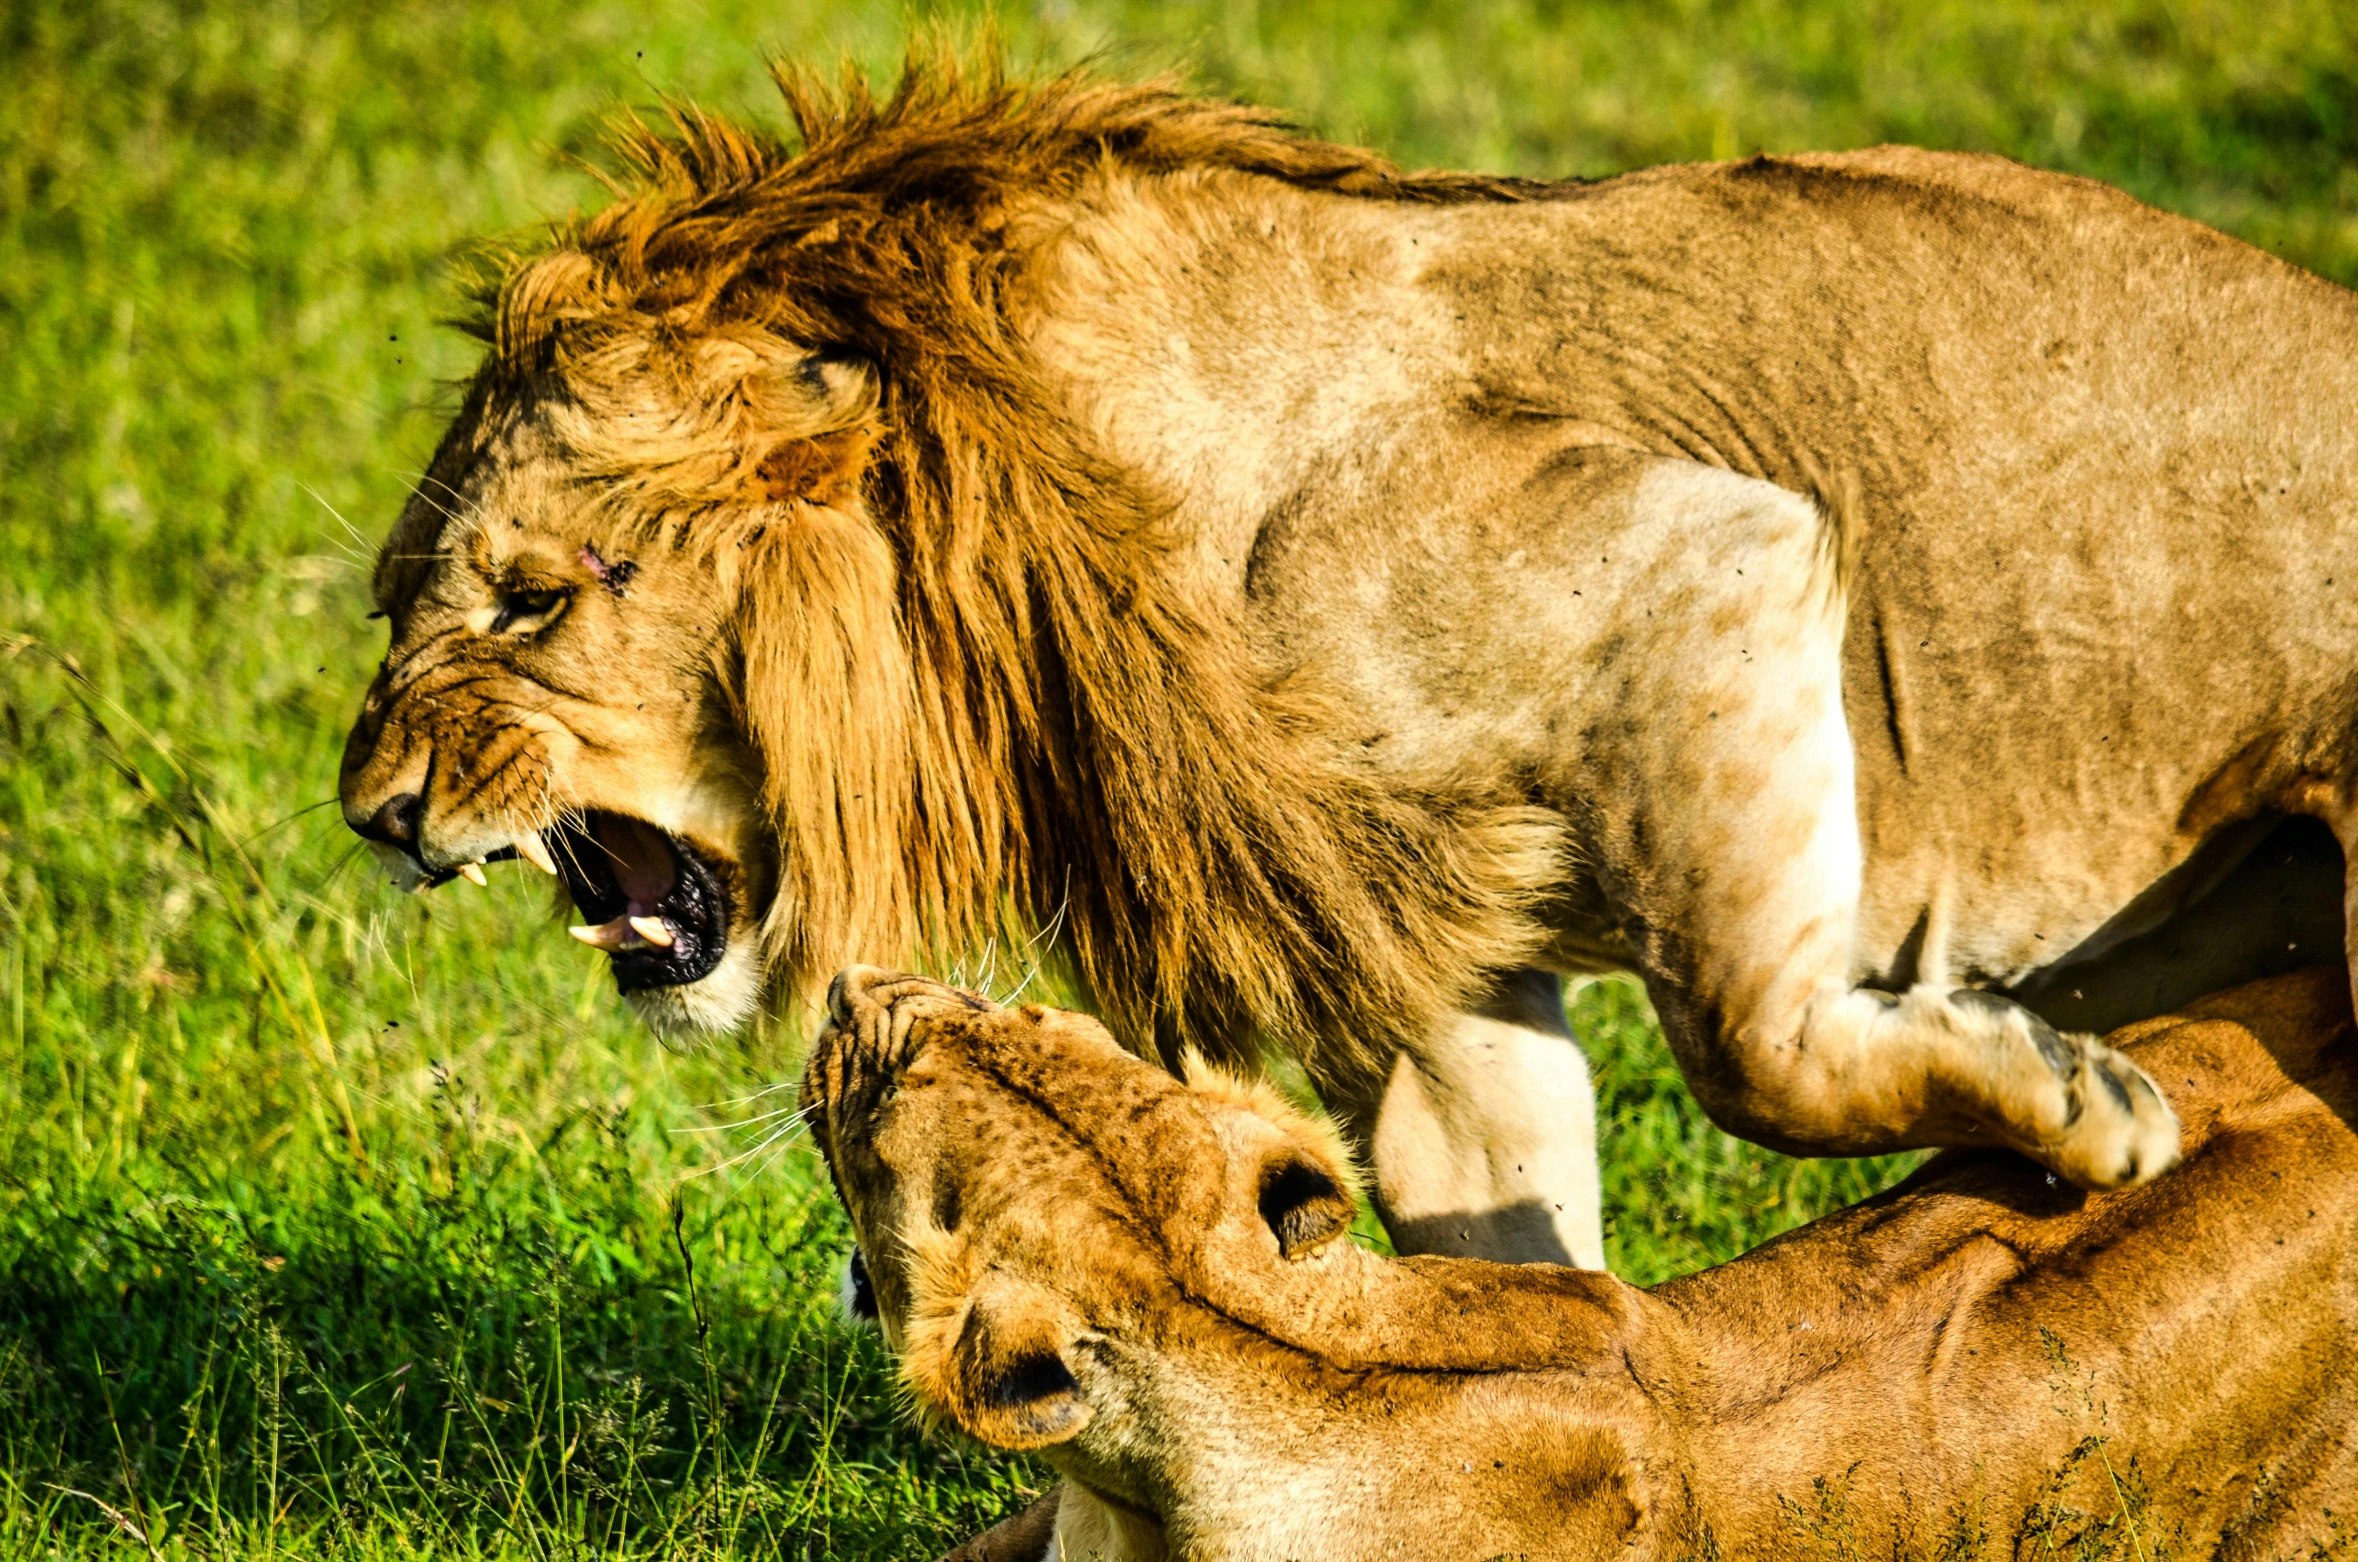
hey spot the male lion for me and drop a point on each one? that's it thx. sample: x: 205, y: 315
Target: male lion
x: 1073, y: 1252
x: 1840, y: 589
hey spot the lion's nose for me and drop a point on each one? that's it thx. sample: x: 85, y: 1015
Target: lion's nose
x: 395, y: 823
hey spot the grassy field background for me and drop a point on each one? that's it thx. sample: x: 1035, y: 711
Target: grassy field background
x: 336, y: 1225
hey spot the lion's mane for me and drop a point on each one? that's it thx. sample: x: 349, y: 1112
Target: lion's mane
x: 978, y: 704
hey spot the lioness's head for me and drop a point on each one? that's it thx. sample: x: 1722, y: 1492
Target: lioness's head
x: 1034, y: 1204
x: 1147, y: 1279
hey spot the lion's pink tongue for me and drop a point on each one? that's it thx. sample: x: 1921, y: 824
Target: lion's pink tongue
x: 641, y: 857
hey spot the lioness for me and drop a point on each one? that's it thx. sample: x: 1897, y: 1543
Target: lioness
x: 1841, y: 589
x: 1071, y: 1251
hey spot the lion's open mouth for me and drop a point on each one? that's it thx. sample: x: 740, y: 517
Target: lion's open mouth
x: 646, y: 898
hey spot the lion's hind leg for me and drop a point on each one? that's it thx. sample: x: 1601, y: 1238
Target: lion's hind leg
x: 1483, y: 1140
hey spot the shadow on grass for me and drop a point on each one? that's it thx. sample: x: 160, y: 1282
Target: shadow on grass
x: 373, y: 1363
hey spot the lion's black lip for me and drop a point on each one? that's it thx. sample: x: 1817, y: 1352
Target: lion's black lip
x: 695, y: 908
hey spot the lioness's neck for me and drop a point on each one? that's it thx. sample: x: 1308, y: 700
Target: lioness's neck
x: 1425, y: 1465
x: 1513, y: 1409
x: 1438, y: 1398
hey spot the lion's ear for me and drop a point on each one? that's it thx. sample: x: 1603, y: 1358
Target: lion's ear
x: 823, y: 471
x: 828, y: 411
x: 781, y: 386
x: 1008, y: 1383
x: 1304, y: 1203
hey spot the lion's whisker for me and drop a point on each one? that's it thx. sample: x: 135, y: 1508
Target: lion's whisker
x: 350, y: 855
x: 466, y: 509
x: 359, y: 543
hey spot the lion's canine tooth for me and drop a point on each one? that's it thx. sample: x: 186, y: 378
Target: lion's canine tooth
x: 652, y: 929
x: 472, y: 872
x: 609, y: 936
x: 529, y: 848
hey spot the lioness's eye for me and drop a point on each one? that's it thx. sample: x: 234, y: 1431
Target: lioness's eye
x: 525, y: 611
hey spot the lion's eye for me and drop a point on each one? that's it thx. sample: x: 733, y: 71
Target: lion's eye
x: 522, y: 612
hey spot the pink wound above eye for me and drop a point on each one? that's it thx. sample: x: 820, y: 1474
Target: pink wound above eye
x: 614, y: 577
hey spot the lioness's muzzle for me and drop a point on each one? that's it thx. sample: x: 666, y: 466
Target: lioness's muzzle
x: 870, y: 1037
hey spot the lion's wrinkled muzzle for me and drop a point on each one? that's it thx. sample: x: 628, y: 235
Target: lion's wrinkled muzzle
x: 381, y: 785
x: 395, y: 798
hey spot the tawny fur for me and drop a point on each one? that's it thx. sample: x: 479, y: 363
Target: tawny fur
x: 1976, y: 1351
x: 1008, y: 707
x: 1842, y: 589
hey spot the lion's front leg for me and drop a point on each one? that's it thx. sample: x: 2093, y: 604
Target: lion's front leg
x: 1752, y: 978
x: 1749, y: 896
x: 1861, y: 1072
x: 1756, y: 998
x: 1752, y: 974
x: 1483, y: 1141
x: 1717, y: 772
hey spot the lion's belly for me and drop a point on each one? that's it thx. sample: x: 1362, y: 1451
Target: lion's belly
x: 2255, y: 901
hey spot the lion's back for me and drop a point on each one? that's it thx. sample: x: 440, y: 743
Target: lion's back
x: 2103, y: 471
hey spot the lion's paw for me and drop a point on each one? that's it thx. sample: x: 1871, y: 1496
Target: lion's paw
x: 2103, y: 1124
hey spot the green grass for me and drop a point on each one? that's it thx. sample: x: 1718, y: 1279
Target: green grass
x: 337, y: 1225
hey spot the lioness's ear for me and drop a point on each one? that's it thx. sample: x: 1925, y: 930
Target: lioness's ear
x: 1304, y: 1203
x: 1009, y: 1385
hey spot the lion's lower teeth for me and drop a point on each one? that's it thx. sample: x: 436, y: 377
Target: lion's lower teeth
x: 613, y: 937
x: 626, y: 933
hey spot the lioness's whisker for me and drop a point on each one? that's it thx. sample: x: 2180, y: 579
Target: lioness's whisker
x: 1045, y: 935
x: 776, y: 1146
x: 743, y: 1122
x: 766, y: 1090
x: 779, y: 1138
